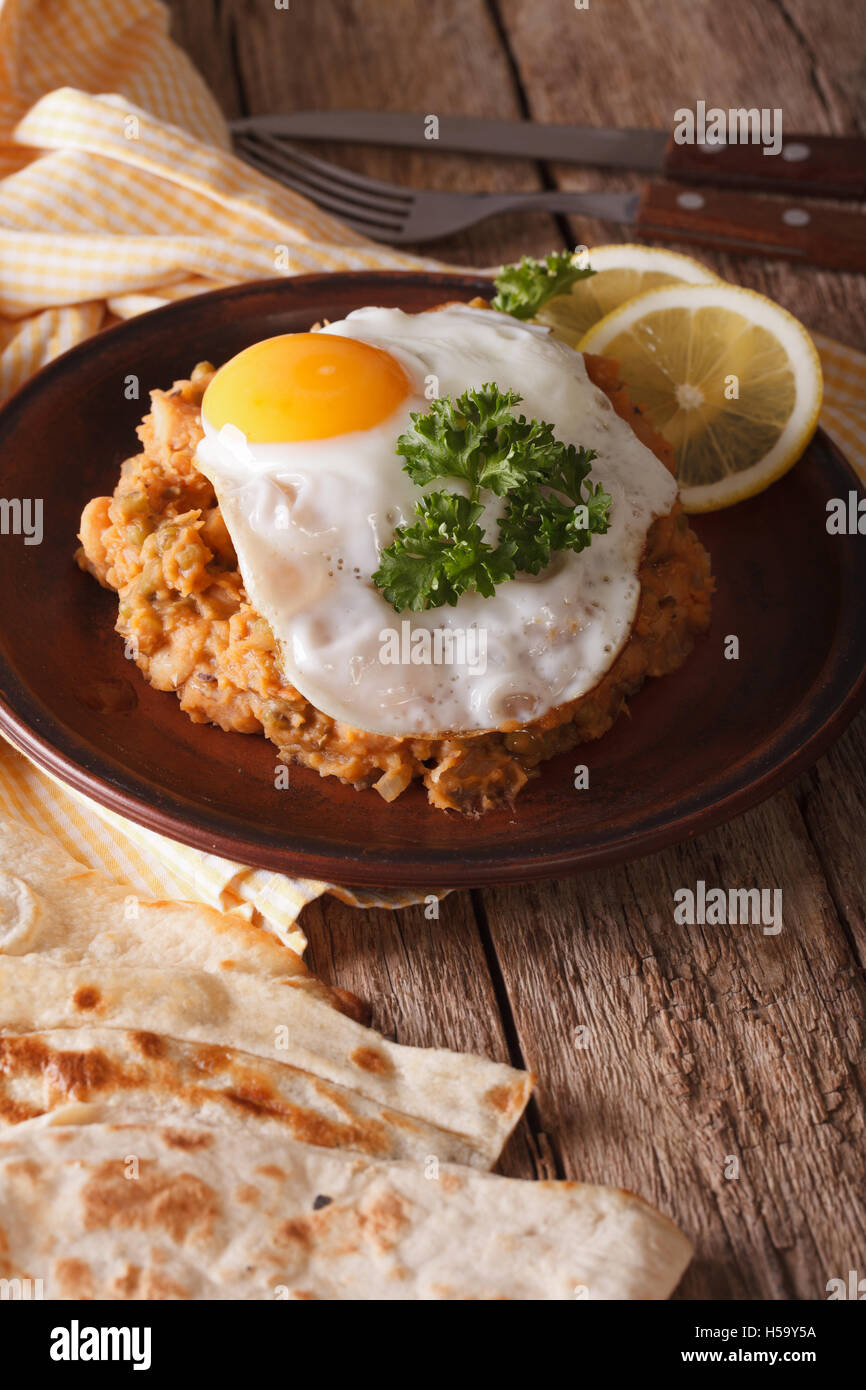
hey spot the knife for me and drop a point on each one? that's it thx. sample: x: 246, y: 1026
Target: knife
x: 832, y: 166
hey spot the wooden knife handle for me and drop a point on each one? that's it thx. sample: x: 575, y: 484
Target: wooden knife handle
x: 747, y: 226
x: 829, y: 166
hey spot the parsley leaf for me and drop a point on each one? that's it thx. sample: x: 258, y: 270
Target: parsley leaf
x: 442, y: 555
x: 476, y: 438
x: 538, y: 523
x: 550, y: 504
x: 523, y: 289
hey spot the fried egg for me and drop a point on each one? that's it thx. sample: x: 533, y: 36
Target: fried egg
x: 299, y: 441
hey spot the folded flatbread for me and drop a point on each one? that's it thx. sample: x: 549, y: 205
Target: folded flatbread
x: 169, y: 1082
x: 452, y: 1091
x: 53, y: 906
x: 133, y: 1211
x: 190, y: 984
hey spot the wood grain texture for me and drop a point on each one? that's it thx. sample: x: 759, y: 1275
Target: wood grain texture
x: 402, y: 56
x: 632, y: 64
x: 705, y: 1043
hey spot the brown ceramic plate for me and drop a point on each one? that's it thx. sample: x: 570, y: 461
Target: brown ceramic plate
x: 701, y: 745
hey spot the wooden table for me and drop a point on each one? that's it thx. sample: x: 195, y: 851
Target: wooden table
x: 667, y: 1057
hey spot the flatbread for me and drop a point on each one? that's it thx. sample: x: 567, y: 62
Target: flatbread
x: 270, y: 1018
x: 75, y: 953
x: 168, y: 1082
x: 133, y: 1211
x: 53, y: 906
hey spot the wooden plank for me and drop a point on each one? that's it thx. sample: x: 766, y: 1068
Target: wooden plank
x: 201, y: 28
x: 832, y: 801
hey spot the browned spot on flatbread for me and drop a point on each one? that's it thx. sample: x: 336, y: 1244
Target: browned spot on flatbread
x: 65, y: 1074
x: 8, y: 1270
x: 80, y: 1073
x: 270, y: 1170
x: 186, y: 1140
x: 401, y: 1121
x: 298, y: 1231
x: 449, y: 1182
x: 22, y: 1054
x: 209, y: 1058
x: 157, y: 1287
x: 135, y: 1282
x: 337, y: 1230
x: 228, y: 965
x: 384, y: 1220
x: 72, y: 1279
x: 86, y: 997
x: 19, y: 1057
x: 15, y: 1112
x: 332, y: 1093
x: 257, y: 1097
x: 304, y: 1294
x: 179, y: 1204
x: 371, y: 1060
x: 126, y: 1284
x: 247, y: 1196
x: 148, y: 1044
x: 500, y: 1098
x: 308, y: 1126
x: 25, y: 1168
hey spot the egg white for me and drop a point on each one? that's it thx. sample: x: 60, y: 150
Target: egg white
x: 309, y: 520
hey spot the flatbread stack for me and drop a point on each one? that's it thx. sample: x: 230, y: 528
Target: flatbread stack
x: 187, y: 1112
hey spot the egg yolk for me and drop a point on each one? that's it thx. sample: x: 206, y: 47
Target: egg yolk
x: 305, y: 386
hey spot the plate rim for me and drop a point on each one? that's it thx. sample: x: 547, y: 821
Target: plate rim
x: 752, y: 788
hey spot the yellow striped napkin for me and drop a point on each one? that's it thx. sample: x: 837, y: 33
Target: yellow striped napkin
x: 118, y: 193
x: 843, y: 413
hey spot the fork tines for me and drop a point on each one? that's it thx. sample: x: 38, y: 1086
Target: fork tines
x: 378, y: 210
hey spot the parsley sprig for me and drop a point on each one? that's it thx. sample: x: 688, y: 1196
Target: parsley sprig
x: 522, y: 289
x: 479, y: 439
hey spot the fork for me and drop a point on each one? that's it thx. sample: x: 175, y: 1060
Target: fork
x: 387, y: 212
x: 741, y: 224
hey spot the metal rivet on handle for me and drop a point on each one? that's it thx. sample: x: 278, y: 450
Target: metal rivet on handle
x: 796, y: 217
x: 690, y: 201
x: 794, y: 153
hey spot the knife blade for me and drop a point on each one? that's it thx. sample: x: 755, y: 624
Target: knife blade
x: 828, y: 165
x: 628, y: 149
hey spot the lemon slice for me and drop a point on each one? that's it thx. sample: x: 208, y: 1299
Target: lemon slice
x: 621, y: 272
x: 732, y: 380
